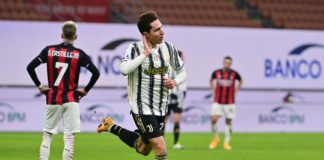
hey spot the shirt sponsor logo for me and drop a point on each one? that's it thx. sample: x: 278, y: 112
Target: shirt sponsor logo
x: 224, y: 82
x: 154, y: 71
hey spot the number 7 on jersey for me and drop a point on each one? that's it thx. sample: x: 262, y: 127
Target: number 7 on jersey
x: 64, y: 67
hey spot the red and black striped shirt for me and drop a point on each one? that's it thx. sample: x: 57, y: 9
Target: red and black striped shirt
x: 225, y: 85
x: 64, y: 62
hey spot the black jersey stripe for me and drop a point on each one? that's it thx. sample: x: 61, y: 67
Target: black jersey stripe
x: 48, y: 101
x: 139, y: 84
x: 229, y: 73
x: 151, y: 87
x: 162, y: 82
x: 133, y: 53
x: 176, y: 58
x: 220, y: 87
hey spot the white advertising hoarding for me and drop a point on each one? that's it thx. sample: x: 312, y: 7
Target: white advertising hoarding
x: 22, y: 110
x: 286, y: 59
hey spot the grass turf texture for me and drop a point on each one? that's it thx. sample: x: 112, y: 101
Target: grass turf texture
x: 246, y: 146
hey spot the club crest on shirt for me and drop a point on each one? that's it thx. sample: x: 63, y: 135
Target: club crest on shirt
x: 155, y: 58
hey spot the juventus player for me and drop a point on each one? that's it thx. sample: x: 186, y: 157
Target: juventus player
x: 62, y: 94
x: 224, y: 100
x: 146, y: 63
x: 175, y: 105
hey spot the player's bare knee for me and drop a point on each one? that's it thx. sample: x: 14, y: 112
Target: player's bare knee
x: 142, y: 148
x: 177, y: 120
x: 228, y: 121
x: 160, y: 149
x: 146, y: 150
x: 214, y: 119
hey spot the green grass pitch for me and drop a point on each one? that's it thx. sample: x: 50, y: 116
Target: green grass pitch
x: 246, y: 146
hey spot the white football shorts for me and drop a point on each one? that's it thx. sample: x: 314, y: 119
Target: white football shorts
x: 69, y: 113
x: 224, y: 110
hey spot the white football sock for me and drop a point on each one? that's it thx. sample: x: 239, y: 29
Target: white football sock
x: 228, y: 130
x: 45, y: 146
x: 68, y: 151
x: 215, y: 131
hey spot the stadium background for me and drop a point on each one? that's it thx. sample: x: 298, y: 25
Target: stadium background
x: 277, y: 46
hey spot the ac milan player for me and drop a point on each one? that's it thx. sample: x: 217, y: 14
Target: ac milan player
x: 224, y: 100
x: 62, y: 94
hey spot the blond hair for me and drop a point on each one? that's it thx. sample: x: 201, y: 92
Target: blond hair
x: 69, y: 29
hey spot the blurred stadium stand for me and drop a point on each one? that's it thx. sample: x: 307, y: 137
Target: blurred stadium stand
x: 187, y: 12
x: 55, y: 10
x: 292, y: 14
x: 20, y: 10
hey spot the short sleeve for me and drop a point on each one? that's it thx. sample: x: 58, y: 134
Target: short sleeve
x: 213, y: 76
x: 238, y: 76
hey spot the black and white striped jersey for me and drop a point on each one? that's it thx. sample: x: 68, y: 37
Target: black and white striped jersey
x: 146, y: 92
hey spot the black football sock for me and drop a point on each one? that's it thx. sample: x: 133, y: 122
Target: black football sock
x: 176, y: 132
x: 128, y: 137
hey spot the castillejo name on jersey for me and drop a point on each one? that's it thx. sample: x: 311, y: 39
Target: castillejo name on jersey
x: 63, y: 54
